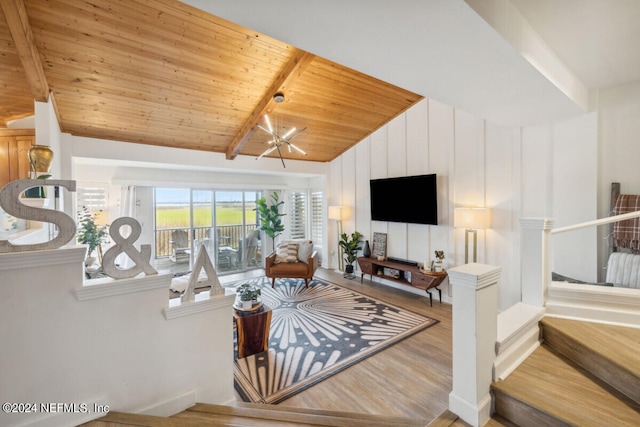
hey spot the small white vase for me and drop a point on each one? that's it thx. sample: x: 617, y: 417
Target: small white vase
x: 437, y: 266
x: 246, y: 305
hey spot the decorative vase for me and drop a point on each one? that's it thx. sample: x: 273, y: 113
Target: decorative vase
x: 40, y: 158
x: 437, y: 266
x: 246, y: 305
x: 366, y: 251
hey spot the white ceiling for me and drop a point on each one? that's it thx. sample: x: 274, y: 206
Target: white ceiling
x: 444, y: 50
x: 596, y: 39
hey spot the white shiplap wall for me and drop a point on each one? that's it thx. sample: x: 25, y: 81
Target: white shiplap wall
x: 462, y: 150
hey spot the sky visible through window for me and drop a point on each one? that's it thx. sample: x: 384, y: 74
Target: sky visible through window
x: 180, y: 196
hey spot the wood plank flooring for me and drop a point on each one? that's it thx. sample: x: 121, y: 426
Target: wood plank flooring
x: 410, y: 379
x: 564, y: 391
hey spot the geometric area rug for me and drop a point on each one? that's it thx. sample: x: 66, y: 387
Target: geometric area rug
x: 315, y: 333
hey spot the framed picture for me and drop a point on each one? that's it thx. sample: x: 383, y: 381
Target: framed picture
x: 379, y: 245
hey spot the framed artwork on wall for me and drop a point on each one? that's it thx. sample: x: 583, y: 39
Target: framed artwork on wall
x: 379, y: 245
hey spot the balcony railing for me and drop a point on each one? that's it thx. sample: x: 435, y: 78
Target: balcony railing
x: 228, y: 235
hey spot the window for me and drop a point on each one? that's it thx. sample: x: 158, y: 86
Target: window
x: 317, y: 207
x: 95, y: 197
x: 297, y: 215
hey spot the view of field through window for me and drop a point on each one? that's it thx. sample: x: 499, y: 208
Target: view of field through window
x: 173, y: 208
x: 229, y: 241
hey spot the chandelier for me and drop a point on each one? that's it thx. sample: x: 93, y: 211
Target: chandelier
x: 278, y: 141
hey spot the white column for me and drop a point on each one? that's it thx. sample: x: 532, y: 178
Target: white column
x: 536, y: 260
x: 475, y: 310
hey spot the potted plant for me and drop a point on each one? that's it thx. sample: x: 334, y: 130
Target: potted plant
x: 438, y: 263
x: 270, y: 217
x: 89, y: 233
x: 248, y: 295
x: 350, y: 246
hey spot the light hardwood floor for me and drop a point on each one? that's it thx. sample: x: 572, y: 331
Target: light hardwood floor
x: 411, y: 379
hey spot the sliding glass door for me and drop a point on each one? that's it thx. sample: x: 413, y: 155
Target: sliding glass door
x: 221, y: 222
x: 238, y: 235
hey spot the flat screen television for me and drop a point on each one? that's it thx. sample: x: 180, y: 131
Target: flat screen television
x: 410, y: 199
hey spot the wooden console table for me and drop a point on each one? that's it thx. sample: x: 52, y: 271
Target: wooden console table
x: 253, y: 331
x: 409, y: 275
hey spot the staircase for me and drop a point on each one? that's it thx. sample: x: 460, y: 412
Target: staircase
x: 251, y: 414
x: 584, y: 374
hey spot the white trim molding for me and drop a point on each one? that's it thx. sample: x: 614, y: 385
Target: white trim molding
x: 108, y: 287
x: 203, y: 302
x: 593, y: 303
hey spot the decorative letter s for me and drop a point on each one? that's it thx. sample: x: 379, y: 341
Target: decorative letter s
x: 10, y: 203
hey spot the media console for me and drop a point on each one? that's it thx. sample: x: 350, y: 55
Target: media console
x: 406, y: 273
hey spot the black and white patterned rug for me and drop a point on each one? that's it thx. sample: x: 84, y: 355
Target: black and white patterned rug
x: 315, y: 333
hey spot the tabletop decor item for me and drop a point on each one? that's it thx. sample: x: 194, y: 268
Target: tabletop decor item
x: 40, y: 159
x: 248, y: 296
x: 437, y: 267
x: 366, y: 250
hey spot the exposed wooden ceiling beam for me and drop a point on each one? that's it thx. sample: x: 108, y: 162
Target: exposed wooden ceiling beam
x: 18, y: 23
x: 294, y: 68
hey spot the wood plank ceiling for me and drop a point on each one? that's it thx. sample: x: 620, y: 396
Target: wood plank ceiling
x: 164, y: 73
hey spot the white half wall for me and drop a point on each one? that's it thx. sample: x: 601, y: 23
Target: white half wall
x: 104, y: 342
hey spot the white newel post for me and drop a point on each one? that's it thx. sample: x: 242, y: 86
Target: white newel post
x: 536, y: 260
x: 475, y: 310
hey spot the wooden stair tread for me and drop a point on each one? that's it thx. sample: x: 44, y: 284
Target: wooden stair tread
x: 498, y: 421
x: 621, y: 345
x: 446, y: 419
x: 298, y: 416
x: 611, y: 353
x: 138, y: 420
x: 563, y: 391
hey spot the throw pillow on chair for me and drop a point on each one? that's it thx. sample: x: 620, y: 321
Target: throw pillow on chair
x: 287, y: 252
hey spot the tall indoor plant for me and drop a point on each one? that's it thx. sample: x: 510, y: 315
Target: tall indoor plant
x: 270, y: 216
x: 89, y: 233
x: 350, y: 246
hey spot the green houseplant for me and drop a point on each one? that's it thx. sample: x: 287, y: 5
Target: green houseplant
x: 350, y: 246
x: 89, y: 233
x: 248, y: 294
x: 270, y: 216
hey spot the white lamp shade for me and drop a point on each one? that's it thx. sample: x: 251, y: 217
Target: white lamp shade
x: 472, y: 218
x: 335, y: 212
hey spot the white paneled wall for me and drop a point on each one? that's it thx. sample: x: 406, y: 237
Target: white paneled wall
x: 363, y: 168
x: 334, y: 198
x: 502, y: 183
x: 542, y: 171
x: 574, y: 146
x: 537, y: 166
x: 474, y: 164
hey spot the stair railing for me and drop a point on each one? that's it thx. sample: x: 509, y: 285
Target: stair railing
x: 595, y: 223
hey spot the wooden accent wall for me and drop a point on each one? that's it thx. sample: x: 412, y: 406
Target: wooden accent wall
x: 14, y: 154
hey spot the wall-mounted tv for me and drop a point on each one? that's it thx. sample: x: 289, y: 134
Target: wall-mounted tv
x: 410, y: 199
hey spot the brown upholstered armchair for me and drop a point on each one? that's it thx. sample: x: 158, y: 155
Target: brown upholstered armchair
x: 294, y: 270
